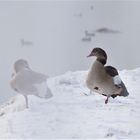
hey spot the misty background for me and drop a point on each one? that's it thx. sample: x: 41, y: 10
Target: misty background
x: 55, y: 37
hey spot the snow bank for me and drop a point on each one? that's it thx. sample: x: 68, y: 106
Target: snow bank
x: 71, y: 114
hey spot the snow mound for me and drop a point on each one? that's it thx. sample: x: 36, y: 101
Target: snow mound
x: 71, y: 114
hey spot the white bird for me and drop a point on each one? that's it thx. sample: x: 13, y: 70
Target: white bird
x: 28, y: 82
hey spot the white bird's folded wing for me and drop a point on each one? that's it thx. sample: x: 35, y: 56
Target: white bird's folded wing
x: 26, y: 80
x: 31, y: 77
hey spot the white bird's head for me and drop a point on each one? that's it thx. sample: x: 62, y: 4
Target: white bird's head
x: 20, y: 65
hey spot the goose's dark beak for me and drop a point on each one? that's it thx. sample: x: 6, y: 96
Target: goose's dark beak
x: 91, y: 54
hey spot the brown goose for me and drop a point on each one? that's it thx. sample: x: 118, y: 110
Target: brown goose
x: 104, y: 79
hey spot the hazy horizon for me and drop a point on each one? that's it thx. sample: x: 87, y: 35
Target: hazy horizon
x: 48, y: 35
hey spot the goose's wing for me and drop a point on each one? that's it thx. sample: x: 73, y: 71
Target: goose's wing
x: 124, y: 91
x: 111, y: 71
x: 117, y: 80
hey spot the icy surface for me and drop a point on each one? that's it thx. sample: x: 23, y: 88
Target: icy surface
x: 71, y: 114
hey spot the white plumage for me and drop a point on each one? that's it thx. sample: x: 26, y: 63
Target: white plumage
x: 117, y: 80
x: 28, y: 82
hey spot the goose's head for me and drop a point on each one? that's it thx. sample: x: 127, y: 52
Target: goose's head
x: 20, y: 65
x: 100, y: 54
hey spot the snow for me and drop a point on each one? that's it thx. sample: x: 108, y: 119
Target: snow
x: 71, y: 114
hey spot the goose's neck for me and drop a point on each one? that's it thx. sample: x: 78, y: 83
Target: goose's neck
x: 98, y: 66
x: 102, y: 60
x: 96, y: 72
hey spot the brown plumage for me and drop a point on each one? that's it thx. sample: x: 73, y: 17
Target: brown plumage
x: 102, y: 79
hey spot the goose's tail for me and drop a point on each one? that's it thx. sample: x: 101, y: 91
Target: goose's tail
x: 124, y: 91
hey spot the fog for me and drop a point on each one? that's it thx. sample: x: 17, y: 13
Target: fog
x: 49, y: 36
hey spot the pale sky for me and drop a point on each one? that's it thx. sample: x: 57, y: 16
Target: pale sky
x: 56, y: 31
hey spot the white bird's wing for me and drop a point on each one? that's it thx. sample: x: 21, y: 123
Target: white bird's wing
x: 25, y: 81
x: 32, y: 77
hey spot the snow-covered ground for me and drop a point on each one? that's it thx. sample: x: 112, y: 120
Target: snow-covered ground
x: 71, y: 114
